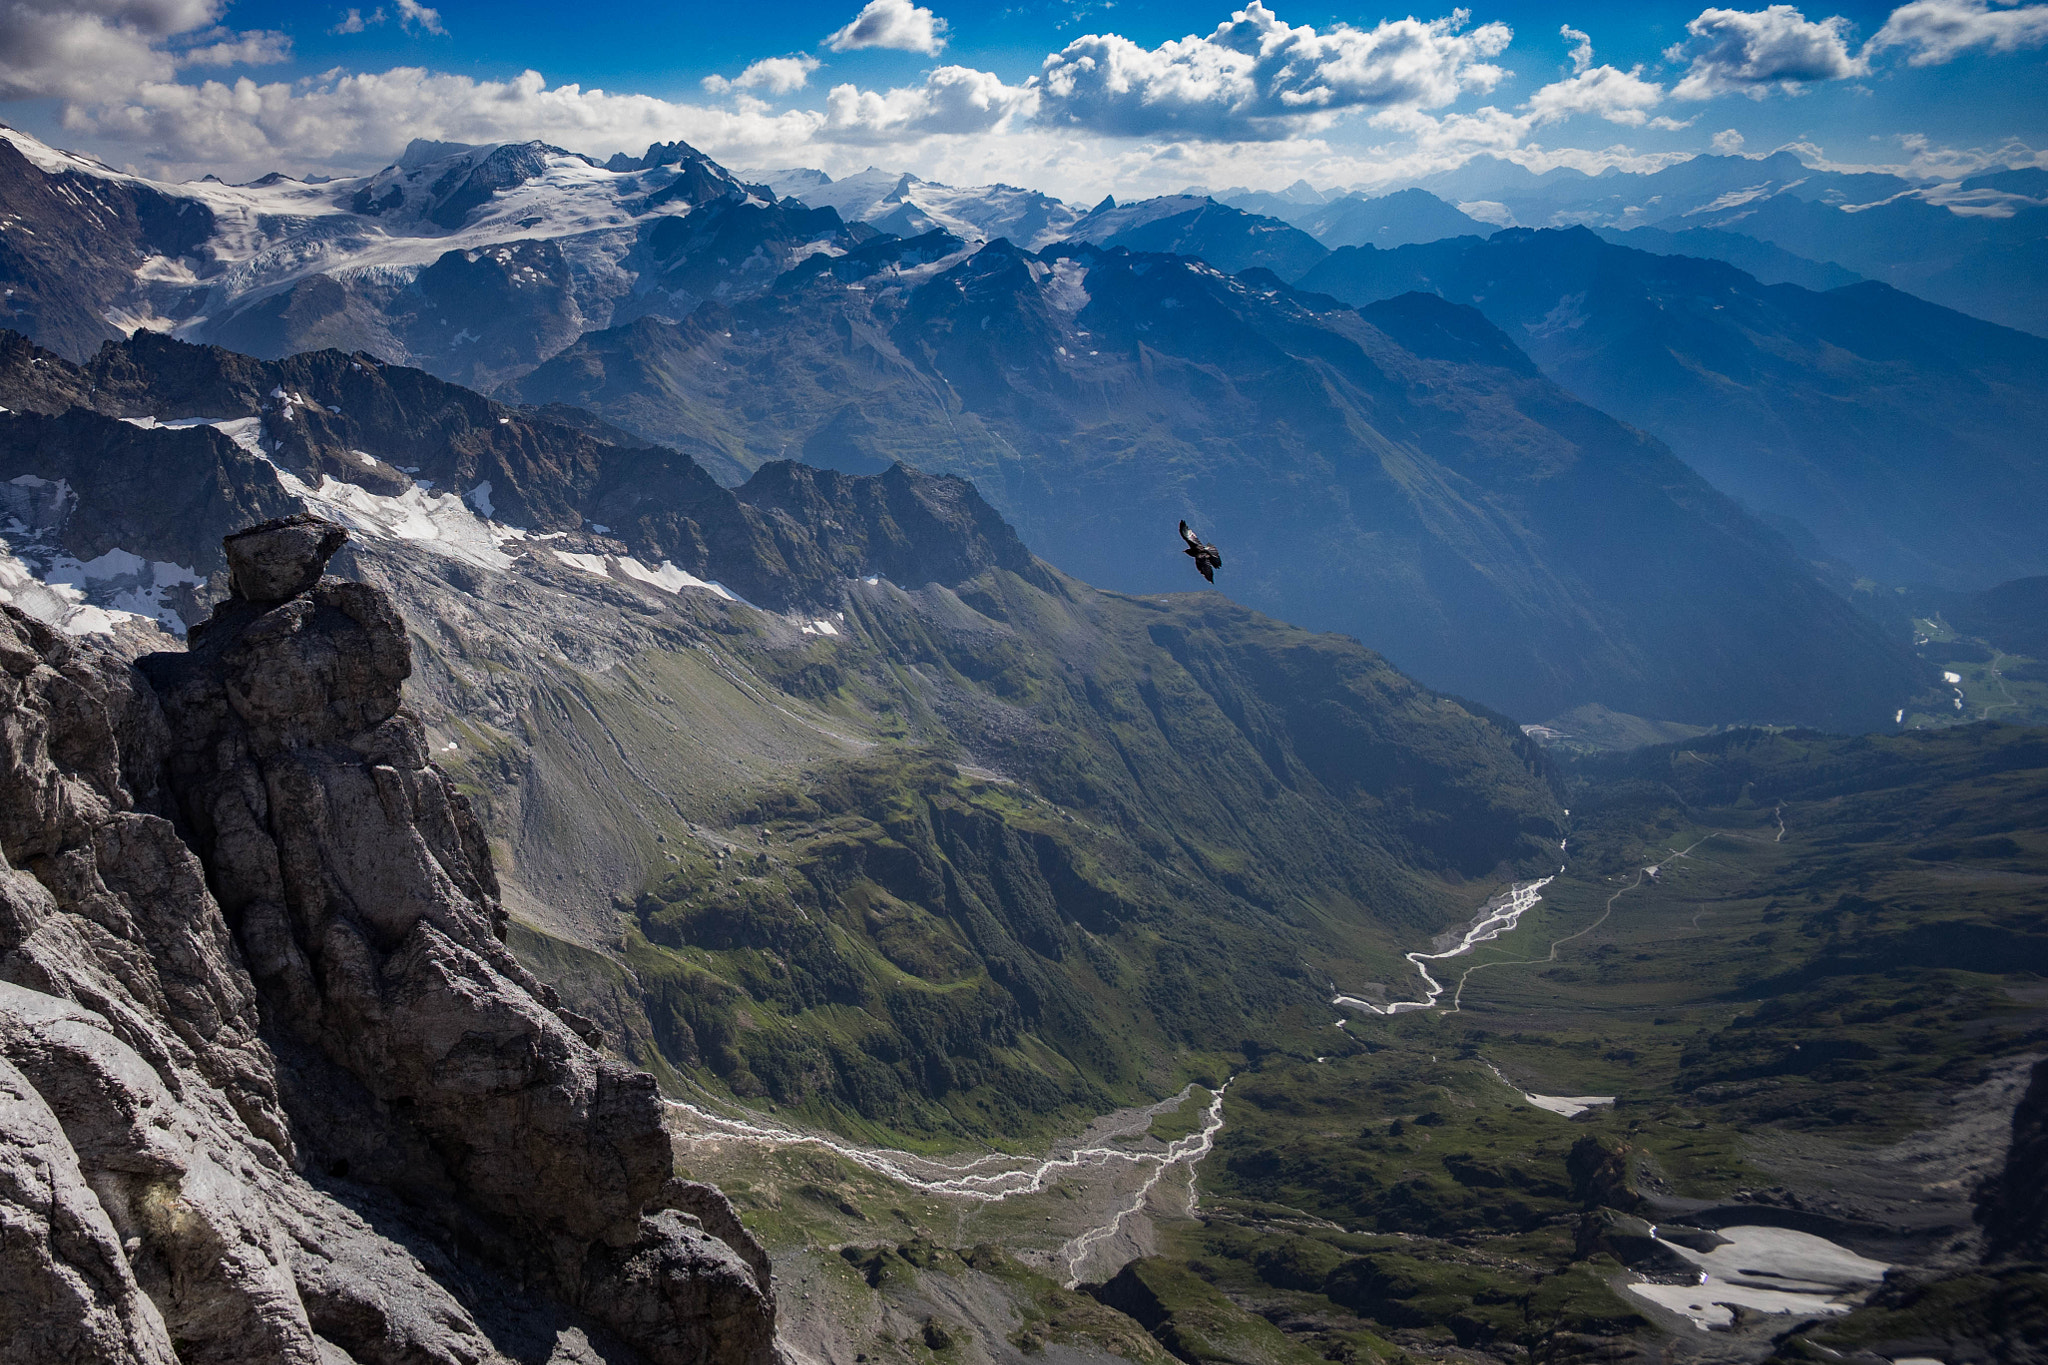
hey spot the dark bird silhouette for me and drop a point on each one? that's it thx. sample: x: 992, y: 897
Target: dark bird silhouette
x: 1205, y: 556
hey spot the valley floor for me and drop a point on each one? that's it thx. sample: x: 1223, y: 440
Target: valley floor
x: 1807, y: 971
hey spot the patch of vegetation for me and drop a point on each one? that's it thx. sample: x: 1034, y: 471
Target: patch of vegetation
x: 1122, y: 891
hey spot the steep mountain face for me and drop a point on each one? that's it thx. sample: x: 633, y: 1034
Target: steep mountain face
x: 1902, y: 435
x: 1227, y: 238
x: 1404, y: 476
x: 281, y: 1094
x: 477, y: 262
x: 81, y: 245
x: 902, y: 836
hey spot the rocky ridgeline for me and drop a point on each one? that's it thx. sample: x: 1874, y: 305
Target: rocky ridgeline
x: 271, y: 1088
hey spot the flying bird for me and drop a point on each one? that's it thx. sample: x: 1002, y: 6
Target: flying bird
x: 1205, y: 556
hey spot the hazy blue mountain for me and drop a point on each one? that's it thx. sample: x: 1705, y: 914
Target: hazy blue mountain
x: 1386, y: 221
x: 1976, y: 246
x: 1991, y: 264
x: 1766, y: 263
x: 1404, y: 475
x: 1904, y: 435
x: 1227, y: 238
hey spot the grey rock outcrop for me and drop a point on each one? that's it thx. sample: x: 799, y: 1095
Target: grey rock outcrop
x: 280, y: 559
x: 361, y: 890
x: 339, y: 1121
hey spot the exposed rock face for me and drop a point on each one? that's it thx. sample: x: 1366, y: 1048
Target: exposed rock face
x: 2014, y: 1207
x: 280, y: 559
x: 191, y: 1152
x: 361, y: 889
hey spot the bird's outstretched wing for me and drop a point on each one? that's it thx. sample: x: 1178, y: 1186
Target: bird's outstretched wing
x: 1215, y: 559
x: 1189, y: 536
x: 1203, y: 565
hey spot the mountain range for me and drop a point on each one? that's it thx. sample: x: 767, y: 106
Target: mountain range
x: 554, y: 279
x: 1403, y: 474
x: 1899, y: 435
x: 786, y: 680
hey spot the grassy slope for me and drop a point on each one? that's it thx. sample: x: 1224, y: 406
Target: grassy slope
x: 989, y: 860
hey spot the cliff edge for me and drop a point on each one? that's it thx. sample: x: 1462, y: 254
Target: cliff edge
x: 271, y: 1088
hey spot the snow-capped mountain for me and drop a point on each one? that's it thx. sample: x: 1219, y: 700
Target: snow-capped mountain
x: 898, y: 202
x: 475, y: 262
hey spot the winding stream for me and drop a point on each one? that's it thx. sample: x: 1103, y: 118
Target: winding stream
x: 1498, y: 916
x: 969, y: 1179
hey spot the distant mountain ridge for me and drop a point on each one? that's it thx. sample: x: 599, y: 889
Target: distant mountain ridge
x: 1404, y: 475
x: 1905, y: 436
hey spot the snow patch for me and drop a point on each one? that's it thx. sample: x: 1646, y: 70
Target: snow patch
x: 594, y: 564
x: 437, y: 521
x: 1769, y: 1270
x: 666, y: 576
x: 58, y: 605
x: 479, y: 497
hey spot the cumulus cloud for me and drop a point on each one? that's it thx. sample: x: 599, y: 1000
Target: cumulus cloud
x: 776, y: 75
x: 1618, y: 96
x: 1938, y: 31
x: 953, y: 100
x: 1728, y: 142
x: 1257, y: 77
x: 73, y: 49
x: 351, y: 122
x: 1732, y: 51
x: 897, y: 24
x: 1250, y: 102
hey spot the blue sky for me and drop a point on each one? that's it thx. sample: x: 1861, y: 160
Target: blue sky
x: 1079, y: 99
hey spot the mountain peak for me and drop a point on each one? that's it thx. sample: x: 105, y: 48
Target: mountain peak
x: 423, y: 151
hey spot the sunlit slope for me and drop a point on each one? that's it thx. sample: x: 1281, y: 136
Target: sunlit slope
x: 982, y: 856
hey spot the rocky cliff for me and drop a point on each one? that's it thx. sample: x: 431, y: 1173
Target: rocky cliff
x: 274, y: 1090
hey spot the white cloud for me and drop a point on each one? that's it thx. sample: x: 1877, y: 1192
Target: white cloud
x: 776, y: 75
x: 1753, y: 53
x: 353, y: 122
x: 224, y: 47
x: 1256, y: 77
x: 1728, y: 142
x: 1937, y: 31
x: 1218, y: 107
x: 954, y: 100
x: 412, y: 14
x: 1926, y: 161
x: 77, y: 48
x: 895, y: 24
x: 1618, y: 96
